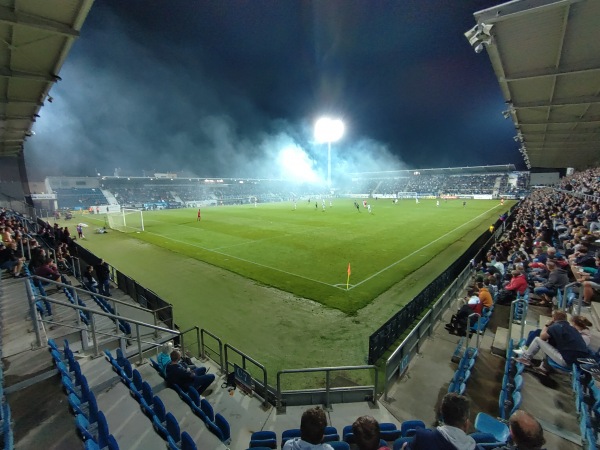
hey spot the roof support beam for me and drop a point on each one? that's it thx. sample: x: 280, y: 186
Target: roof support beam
x: 14, y: 101
x: 7, y: 118
x: 559, y: 122
x: 7, y: 15
x: 33, y: 76
x: 570, y: 102
x: 549, y: 73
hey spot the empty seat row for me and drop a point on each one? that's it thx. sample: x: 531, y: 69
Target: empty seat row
x: 90, y: 422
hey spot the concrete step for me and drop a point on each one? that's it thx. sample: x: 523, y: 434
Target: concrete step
x: 499, y: 344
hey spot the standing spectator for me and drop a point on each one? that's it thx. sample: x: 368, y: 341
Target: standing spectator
x: 452, y: 435
x: 103, y: 275
x: 312, y: 429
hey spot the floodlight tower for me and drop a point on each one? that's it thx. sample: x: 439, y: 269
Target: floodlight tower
x: 328, y: 130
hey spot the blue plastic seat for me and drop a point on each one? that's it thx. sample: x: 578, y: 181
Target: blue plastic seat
x: 159, y: 420
x: 294, y: 433
x: 389, y: 431
x: 263, y: 438
x: 187, y: 443
x: 485, y: 423
x: 398, y: 443
x: 173, y: 431
x: 220, y: 428
x: 409, y: 427
x: 147, y: 400
x: 207, y: 409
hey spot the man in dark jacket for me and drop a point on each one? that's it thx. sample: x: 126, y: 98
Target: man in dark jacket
x: 184, y: 377
x: 103, y: 275
x: 450, y: 436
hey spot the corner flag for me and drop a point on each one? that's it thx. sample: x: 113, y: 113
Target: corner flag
x: 348, y: 280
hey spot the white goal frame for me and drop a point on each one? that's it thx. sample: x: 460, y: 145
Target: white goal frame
x: 403, y: 194
x: 126, y: 221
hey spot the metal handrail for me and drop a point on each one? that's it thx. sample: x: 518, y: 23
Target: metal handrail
x: 328, y: 387
x: 513, y: 307
x: 253, y: 361
x: 85, y: 291
x: 203, y: 347
x: 477, y: 316
x: 93, y: 312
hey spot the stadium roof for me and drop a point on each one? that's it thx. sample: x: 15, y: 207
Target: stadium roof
x: 35, y: 38
x: 546, y: 56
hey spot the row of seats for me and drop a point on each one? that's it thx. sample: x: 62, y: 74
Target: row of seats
x: 587, y: 405
x: 6, y: 432
x: 104, y: 304
x: 458, y: 384
x: 216, y: 423
x: 165, y: 423
x: 90, y: 422
x: 510, y: 398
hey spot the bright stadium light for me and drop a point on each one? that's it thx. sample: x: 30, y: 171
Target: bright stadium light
x: 328, y: 130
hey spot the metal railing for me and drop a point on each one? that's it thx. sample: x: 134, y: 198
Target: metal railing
x: 315, y: 396
x: 398, y: 362
x: 511, y: 319
x: 262, y: 388
x: 92, y: 328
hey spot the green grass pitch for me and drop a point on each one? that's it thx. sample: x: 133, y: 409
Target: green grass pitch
x: 394, y: 252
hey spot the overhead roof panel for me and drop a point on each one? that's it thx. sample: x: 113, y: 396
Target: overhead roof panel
x: 546, y: 56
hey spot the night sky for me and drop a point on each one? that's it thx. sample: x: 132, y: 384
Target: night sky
x: 220, y: 88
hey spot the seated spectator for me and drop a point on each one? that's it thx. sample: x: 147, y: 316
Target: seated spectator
x: 452, y: 435
x: 312, y: 430
x: 184, y: 377
x: 88, y: 279
x: 367, y: 433
x: 591, y: 286
x: 517, y: 286
x: 459, y: 321
x: 11, y: 259
x: 525, y: 431
x: 49, y: 271
x: 558, y: 340
x: 557, y: 280
x: 164, y: 357
x: 485, y: 297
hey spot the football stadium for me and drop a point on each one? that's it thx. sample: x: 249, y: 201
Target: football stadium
x: 248, y: 279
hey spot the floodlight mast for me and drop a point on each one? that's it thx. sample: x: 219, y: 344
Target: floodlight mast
x: 328, y: 130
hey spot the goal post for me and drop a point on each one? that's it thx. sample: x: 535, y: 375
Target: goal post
x: 127, y: 220
x: 404, y: 194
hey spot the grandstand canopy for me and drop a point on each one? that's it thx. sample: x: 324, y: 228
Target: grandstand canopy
x: 35, y: 38
x: 546, y: 56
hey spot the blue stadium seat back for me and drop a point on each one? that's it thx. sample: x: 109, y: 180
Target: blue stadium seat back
x: 112, y: 443
x: 84, y: 428
x: 223, y: 425
x: 339, y: 445
x: 91, y: 444
x: 103, y: 433
x: 156, y: 367
x: 485, y: 423
x: 187, y: 443
x: 262, y: 443
x: 584, y: 422
x: 409, y: 427
x: 109, y: 356
x: 128, y: 370
x: 330, y: 430
x: 136, y: 380
x: 182, y: 394
x: 160, y: 427
x: 262, y: 435
x: 591, y: 439
x: 398, y: 443
x: 389, y: 431
x: 295, y: 432
x: 171, y: 444
x: 193, y: 396
x: 159, y: 410
x: 56, y: 356
x: 557, y: 366
x: 173, y: 428
x: 502, y: 404
x: 147, y: 400
x: 518, y: 383
x: 335, y: 437
x: 482, y: 438
x: 207, y: 409
x: 120, y: 357
x: 517, y: 400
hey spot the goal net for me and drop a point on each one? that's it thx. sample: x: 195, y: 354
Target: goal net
x: 407, y: 195
x: 126, y: 221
